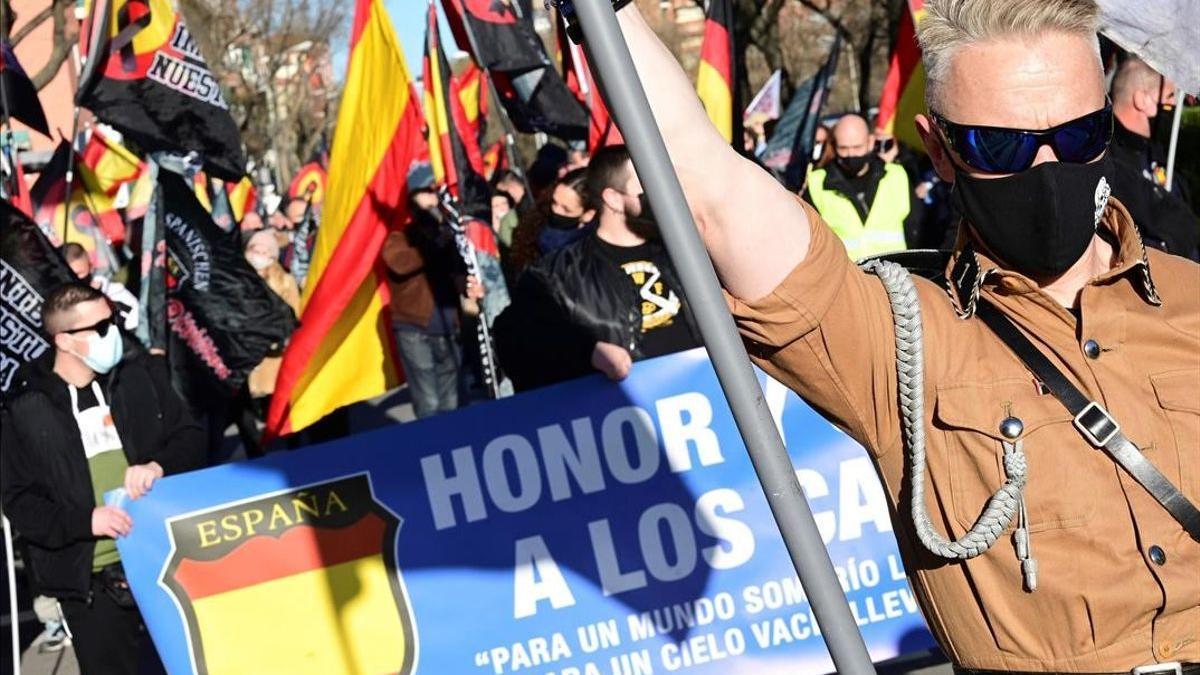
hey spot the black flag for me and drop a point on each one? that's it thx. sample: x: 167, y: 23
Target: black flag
x: 146, y: 77
x: 533, y: 94
x: 789, y: 150
x: 21, y: 97
x: 30, y: 267
x: 222, y: 318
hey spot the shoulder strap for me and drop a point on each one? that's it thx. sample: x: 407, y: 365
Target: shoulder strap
x: 1093, y: 421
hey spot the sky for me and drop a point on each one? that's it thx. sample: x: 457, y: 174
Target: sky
x: 408, y: 16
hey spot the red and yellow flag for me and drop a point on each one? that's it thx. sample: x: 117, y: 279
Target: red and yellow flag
x: 243, y: 196
x: 105, y: 165
x: 343, y: 351
x: 715, y: 82
x: 309, y: 183
x: 456, y: 164
x: 904, y: 89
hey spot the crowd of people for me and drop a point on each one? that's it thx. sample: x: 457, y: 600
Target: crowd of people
x: 579, y: 282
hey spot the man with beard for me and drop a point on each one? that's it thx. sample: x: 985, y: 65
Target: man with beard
x: 602, y: 302
x: 1078, y: 564
x: 866, y: 201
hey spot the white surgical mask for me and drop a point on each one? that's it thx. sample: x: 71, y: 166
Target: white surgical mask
x: 259, y: 262
x: 104, y: 351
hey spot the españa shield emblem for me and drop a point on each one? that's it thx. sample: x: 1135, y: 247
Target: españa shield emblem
x: 300, y: 581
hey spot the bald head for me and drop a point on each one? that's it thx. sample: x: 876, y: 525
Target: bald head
x: 1137, y: 91
x: 852, y: 138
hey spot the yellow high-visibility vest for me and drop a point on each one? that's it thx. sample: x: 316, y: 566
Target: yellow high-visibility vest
x: 884, y: 230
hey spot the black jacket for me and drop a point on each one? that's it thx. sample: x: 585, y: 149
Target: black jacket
x: 1164, y: 218
x: 562, y: 306
x: 46, y: 482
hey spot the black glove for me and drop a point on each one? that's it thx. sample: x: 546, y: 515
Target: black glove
x: 567, y: 9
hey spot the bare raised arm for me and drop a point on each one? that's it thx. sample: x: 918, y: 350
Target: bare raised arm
x: 754, y: 229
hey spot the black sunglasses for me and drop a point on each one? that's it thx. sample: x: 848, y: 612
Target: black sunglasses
x: 1004, y: 150
x: 101, y: 327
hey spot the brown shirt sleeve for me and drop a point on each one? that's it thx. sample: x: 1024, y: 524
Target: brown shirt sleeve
x: 826, y: 332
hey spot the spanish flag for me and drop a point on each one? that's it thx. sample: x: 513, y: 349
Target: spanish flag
x: 243, y: 197
x: 716, y: 82
x: 904, y: 89
x: 454, y: 165
x: 343, y: 351
x: 105, y: 165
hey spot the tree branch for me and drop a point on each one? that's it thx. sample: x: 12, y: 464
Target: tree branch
x: 31, y: 25
x: 61, y: 48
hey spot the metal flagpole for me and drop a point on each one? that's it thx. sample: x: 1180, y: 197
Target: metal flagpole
x: 610, y: 58
x: 1179, y: 99
x: 11, y: 569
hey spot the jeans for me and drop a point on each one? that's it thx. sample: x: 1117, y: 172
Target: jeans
x: 431, y: 364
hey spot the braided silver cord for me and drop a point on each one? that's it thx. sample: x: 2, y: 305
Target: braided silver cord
x: 910, y: 375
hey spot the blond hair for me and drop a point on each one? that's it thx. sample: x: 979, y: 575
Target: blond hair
x: 950, y: 24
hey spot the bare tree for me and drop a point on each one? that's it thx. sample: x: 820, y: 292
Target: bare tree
x: 65, y: 33
x: 273, y: 59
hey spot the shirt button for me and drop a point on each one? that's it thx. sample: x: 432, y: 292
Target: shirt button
x: 1158, y: 556
x: 1011, y: 427
x: 1092, y: 349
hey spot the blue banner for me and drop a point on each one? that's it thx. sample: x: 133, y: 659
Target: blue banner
x: 587, y: 528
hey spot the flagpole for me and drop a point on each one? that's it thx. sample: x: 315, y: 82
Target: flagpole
x: 610, y: 56
x: 8, y: 132
x: 70, y: 176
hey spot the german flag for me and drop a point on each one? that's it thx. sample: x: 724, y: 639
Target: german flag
x: 904, y: 89
x: 343, y: 351
x: 717, y: 82
x: 88, y: 218
x: 105, y: 165
x: 453, y: 165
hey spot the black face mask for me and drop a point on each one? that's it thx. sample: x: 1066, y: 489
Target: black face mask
x: 562, y: 222
x: 643, y: 224
x: 1040, y: 221
x: 853, y: 165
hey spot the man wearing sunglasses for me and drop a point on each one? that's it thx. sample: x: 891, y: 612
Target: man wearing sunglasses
x: 1104, y: 577
x: 93, y: 418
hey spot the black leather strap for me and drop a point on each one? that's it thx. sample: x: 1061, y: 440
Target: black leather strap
x: 1092, y: 421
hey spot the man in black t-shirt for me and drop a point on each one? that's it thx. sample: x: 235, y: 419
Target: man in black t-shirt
x: 604, y: 301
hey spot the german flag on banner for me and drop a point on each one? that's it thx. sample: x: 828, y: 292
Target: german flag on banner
x: 310, y: 177
x: 717, y: 82
x: 343, y: 351
x: 105, y: 165
x: 904, y: 89
x: 146, y: 78
x: 448, y: 155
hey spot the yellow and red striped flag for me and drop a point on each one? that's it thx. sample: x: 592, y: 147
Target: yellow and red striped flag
x: 243, y: 196
x: 904, y: 89
x: 715, y: 82
x: 453, y: 162
x: 105, y: 165
x: 343, y: 351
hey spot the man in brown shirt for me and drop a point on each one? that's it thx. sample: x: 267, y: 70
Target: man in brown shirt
x: 1118, y: 583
